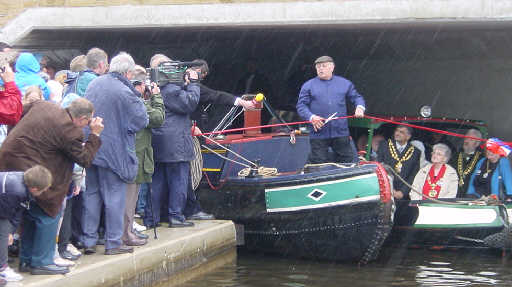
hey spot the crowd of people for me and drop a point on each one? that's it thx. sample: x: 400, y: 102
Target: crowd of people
x: 89, y: 148
x: 80, y: 144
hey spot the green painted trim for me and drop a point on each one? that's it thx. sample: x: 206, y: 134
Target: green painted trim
x: 337, y: 192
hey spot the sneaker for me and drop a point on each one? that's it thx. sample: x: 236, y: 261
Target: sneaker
x: 138, y: 227
x: 71, y: 248
x: 61, y: 262
x: 10, y: 275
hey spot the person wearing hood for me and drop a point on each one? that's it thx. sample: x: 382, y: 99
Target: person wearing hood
x: 27, y: 74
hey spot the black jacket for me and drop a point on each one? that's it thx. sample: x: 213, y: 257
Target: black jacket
x: 210, y: 96
x: 14, y: 196
x: 409, y: 168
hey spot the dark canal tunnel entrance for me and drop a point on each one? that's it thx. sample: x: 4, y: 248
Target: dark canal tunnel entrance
x: 462, y: 70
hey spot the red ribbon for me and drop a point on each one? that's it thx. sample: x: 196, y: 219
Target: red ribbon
x: 348, y: 117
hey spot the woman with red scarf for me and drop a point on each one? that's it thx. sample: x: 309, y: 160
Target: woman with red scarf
x: 438, y: 179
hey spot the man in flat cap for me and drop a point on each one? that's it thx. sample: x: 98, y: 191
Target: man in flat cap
x: 321, y: 97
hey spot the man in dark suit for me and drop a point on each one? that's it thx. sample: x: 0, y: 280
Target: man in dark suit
x: 466, y: 159
x: 403, y: 157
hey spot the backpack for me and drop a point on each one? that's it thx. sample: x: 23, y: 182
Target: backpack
x: 71, y: 81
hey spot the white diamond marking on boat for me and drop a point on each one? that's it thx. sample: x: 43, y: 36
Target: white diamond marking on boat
x: 317, y: 194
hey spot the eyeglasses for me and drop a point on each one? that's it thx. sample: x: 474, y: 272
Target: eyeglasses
x: 136, y: 83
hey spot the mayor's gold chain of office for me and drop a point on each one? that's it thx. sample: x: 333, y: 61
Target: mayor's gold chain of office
x: 394, y: 155
x: 463, y: 173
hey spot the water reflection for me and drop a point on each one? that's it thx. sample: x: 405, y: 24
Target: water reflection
x: 394, y: 268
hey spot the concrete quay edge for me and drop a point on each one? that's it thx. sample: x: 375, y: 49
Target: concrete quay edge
x: 177, y: 250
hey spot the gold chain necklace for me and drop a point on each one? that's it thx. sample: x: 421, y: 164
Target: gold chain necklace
x: 463, y: 173
x: 394, y: 155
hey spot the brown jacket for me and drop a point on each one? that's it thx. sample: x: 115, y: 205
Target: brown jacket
x: 47, y: 136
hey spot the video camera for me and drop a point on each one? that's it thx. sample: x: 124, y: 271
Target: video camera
x: 172, y: 72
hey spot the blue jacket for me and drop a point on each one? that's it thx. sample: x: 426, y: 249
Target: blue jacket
x: 13, y: 196
x: 27, y: 69
x: 172, y: 142
x: 325, y: 97
x: 124, y: 114
x: 502, y: 174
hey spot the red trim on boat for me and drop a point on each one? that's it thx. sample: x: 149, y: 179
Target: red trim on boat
x: 384, y: 185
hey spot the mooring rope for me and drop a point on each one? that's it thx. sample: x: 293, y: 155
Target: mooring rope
x: 263, y: 171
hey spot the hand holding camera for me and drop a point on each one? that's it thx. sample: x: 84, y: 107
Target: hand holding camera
x: 191, y: 76
x: 96, y: 125
x: 6, y: 73
x: 155, y: 90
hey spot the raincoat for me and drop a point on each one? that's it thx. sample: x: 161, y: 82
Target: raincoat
x: 172, y: 142
x: 123, y: 112
x: 27, y: 69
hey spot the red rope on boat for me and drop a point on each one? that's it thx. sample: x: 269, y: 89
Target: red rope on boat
x: 211, y: 184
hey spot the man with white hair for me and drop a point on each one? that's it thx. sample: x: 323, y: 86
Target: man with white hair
x: 115, y: 164
x: 466, y: 159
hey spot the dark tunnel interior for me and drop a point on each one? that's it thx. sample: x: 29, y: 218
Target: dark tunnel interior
x: 462, y: 70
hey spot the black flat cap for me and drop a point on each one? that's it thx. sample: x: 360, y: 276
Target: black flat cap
x: 324, y: 59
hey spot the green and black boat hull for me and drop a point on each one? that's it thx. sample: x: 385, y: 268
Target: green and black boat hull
x: 329, y: 213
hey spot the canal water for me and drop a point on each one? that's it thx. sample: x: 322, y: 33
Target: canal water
x: 395, y: 267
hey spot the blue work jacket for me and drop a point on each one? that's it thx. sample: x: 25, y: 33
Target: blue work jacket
x: 325, y: 97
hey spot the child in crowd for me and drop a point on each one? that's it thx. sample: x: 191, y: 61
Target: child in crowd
x: 17, y: 189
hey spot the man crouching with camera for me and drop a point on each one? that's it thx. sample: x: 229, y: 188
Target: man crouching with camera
x: 173, y: 148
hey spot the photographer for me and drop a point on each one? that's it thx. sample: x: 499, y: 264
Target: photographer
x: 10, y: 98
x: 173, y: 147
x: 156, y: 113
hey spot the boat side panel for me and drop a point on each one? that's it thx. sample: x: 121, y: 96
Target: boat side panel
x: 277, y: 152
x: 317, y: 195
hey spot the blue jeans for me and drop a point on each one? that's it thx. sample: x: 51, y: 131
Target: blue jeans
x: 104, y: 188
x: 38, y: 237
x: 142, y: 200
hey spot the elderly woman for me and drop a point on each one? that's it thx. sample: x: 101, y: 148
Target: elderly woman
x: 492, y: 172
x: 436, y: 179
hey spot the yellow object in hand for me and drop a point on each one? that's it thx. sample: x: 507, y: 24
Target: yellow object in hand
x: 259, y: 97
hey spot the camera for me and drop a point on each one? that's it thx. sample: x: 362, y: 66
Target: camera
x: 173, y: 72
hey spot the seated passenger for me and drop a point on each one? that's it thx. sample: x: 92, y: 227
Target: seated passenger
x: 438, y: 179
x: 421, y: 147
x: 375, y: 146
x: 492, y: 172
